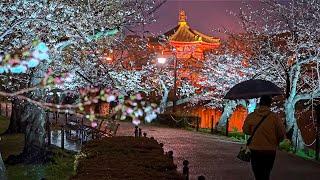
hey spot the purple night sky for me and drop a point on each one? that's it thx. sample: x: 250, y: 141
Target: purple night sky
x: 203, y: 15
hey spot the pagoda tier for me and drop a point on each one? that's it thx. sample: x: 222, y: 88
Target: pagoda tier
x: 188, y: 43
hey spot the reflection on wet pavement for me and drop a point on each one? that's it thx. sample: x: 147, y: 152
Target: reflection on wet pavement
x: 71, y: 145
x: 215, y: 156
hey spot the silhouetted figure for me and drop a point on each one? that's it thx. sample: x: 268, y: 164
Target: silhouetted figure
x: 266, y: 138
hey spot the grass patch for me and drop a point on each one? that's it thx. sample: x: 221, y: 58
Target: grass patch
x: 61, y: 168
x: 306, y: 153
x: 237, y: 136
x: 10, y: 144
x: 4, y: 124
x: 233, y: 135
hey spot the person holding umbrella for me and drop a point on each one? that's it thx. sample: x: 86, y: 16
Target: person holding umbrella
x: 267, y: 137
x: 266, y: 130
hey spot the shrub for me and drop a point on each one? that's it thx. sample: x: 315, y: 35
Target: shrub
x: 125, y: 158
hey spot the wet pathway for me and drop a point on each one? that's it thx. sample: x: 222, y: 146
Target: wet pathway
x: 214, y: 156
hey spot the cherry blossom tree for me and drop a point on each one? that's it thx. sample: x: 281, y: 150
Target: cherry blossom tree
x: 221, y: 73
x: 76, y: 32
x: 285, y: 43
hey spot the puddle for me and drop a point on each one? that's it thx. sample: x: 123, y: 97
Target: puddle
x: 72, y: 144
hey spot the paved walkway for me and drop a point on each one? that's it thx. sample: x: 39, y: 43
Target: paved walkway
x: 215, y: 157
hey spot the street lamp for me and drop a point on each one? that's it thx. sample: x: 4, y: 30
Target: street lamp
x: 162, y: 60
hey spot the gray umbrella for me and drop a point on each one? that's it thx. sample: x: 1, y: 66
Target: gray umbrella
x: 253, y: 88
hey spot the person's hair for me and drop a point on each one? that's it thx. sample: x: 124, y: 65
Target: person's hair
x: 265, y: 101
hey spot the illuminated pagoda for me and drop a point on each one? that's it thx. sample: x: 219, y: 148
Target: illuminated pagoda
x: 189, y: 43
x: 189, y: 47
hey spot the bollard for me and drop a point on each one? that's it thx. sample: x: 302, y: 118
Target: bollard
x: 66, y: 118
x: 170, y: 154
x: 56, y: 116
x: 186, y: 169
x: 82, y: 131
x: 62, y: 137
x: 201, y: 177
x: 144, y: 134
x: 140, y: 132
x: 136, y: 131
x: 197, y: 127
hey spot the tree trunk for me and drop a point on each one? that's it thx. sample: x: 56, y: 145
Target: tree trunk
x: 228, y: 109
x: 166, y: 90
x: 35, y: 150
x: 2, y: 169
x: 35, y: 147
x: 292, y: 125
x: 17, y: 123
x: 164, y: 99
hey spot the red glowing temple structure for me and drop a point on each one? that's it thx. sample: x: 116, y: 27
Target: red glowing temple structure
x: 188, y: 47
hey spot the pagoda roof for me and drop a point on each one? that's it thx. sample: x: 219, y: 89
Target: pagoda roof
x: 183, y: 33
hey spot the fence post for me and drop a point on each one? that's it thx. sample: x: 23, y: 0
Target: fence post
x: 62, y: 137
x: 227, y: 128
x: 140, y: 132
x: 136, y: 131
x: 212, y: 124
x: 66, y: 118
x: 170, y: 154
x: 56, y: 116
x: 82, y: 133
x: 186, y: 169
x: 197, y: 126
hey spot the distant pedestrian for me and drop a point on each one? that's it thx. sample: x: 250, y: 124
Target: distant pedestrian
x: 266, y: 138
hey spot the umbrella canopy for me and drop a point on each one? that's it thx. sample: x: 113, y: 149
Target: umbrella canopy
x: 253, y: 88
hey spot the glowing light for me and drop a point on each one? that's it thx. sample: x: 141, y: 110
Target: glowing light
x: 162, y: 60
x: 109, y: 58
x: 136, y: 122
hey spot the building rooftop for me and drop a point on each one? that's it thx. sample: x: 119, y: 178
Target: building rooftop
x: 183, y: 33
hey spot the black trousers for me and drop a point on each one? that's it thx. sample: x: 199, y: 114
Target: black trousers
x: 262, y: 163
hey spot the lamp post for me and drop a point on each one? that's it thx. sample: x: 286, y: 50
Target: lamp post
x: 163, y: 60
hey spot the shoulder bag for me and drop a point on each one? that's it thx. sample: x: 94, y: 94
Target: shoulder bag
x: 245, y: 154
